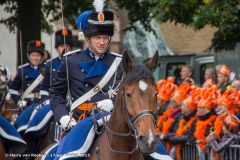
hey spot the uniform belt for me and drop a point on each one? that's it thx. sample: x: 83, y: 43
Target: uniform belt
x: 34, y: 95
x: 85, y: 107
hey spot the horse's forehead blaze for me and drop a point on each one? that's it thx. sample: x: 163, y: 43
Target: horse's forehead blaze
x: 142, y: 85
x: 151, y: 137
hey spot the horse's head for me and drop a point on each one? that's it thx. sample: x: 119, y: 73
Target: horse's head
x: 139, y: 101
x: 9, y: 110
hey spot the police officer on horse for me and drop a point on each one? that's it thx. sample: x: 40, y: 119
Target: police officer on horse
x: 91, y: 75
x: 63, y: 43
x: 42, y: 115
x: 25, y: 87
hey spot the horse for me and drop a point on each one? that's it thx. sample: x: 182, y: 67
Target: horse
x: 2, y: 151
x: 130, y: 132
x: 46, y: 135
x: 8, y: 109
x: 49, y: 138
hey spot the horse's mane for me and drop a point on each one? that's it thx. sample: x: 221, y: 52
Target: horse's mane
x: 138, y: 71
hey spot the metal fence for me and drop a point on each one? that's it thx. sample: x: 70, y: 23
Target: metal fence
x: 193, y: 152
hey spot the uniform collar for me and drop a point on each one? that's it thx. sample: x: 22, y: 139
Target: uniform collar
x: 33, y: 66
x: 92, y: 55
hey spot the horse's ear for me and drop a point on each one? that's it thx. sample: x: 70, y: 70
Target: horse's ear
x: 153, y: 62
x: 126, y: 62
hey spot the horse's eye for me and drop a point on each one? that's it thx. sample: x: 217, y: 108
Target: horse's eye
x: 156, y: 94
x: 128, y: 95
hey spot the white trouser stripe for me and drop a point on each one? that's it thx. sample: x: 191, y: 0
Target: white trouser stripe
x: 46, y: 93
x: 11, y: 91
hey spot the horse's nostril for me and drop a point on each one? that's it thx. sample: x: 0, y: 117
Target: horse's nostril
x: 143, y: 139
x: 146, y: 141
x: 156, y: 138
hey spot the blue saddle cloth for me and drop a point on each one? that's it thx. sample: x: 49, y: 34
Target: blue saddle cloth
x: 7, y: 131
x: 84, y: 133
x: 161, y: 153
x: 42, y: 117
x: 78, y: 142
x: 23, y: 118
x: 11, y: 138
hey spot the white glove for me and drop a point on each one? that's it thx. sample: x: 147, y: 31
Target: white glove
x: 105, y: 105
x: 22, y: 104
x: 67, y: 123
x: 232, y: 75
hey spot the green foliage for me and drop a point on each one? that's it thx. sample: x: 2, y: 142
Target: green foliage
x: 222, y: 14
x: 137, y: 10
x: 51, y: 12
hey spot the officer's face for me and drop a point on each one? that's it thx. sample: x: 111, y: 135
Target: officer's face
x: 61, y: 47
x: 99, y: 42
x: 35, y: 58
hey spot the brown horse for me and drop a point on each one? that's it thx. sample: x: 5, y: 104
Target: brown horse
x: 48, y: 139
x: 2, y: 151
x: 130, y: 132
x: 9, y: 110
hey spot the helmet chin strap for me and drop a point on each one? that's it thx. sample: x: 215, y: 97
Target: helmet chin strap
x: 95, y: 49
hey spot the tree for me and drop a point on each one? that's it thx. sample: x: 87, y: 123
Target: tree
x: 222, y: 14
x: 29, y: 18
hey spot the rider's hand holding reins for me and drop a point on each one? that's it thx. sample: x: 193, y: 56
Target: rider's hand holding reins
x: 22, y: 104
x: 105, y: 105
x: 67, y: 122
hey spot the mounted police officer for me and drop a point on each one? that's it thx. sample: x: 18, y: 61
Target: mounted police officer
x: 63, y: 42
x: 91, y: 76
x: 25, y: 87
x: 42, y: 115
x: 82, y: 71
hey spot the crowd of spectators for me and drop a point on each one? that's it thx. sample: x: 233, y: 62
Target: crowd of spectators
x: 203, y: 115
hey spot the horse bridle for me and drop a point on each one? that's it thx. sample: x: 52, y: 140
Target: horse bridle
x: 7, y: 110
x: 131, y: 123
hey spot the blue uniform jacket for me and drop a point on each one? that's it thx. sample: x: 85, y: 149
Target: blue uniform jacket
x: 84, y: 73
x: 26, y: 75
x: 50, y: 74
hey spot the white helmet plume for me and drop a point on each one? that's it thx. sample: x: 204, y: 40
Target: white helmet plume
x: 99, y: 5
